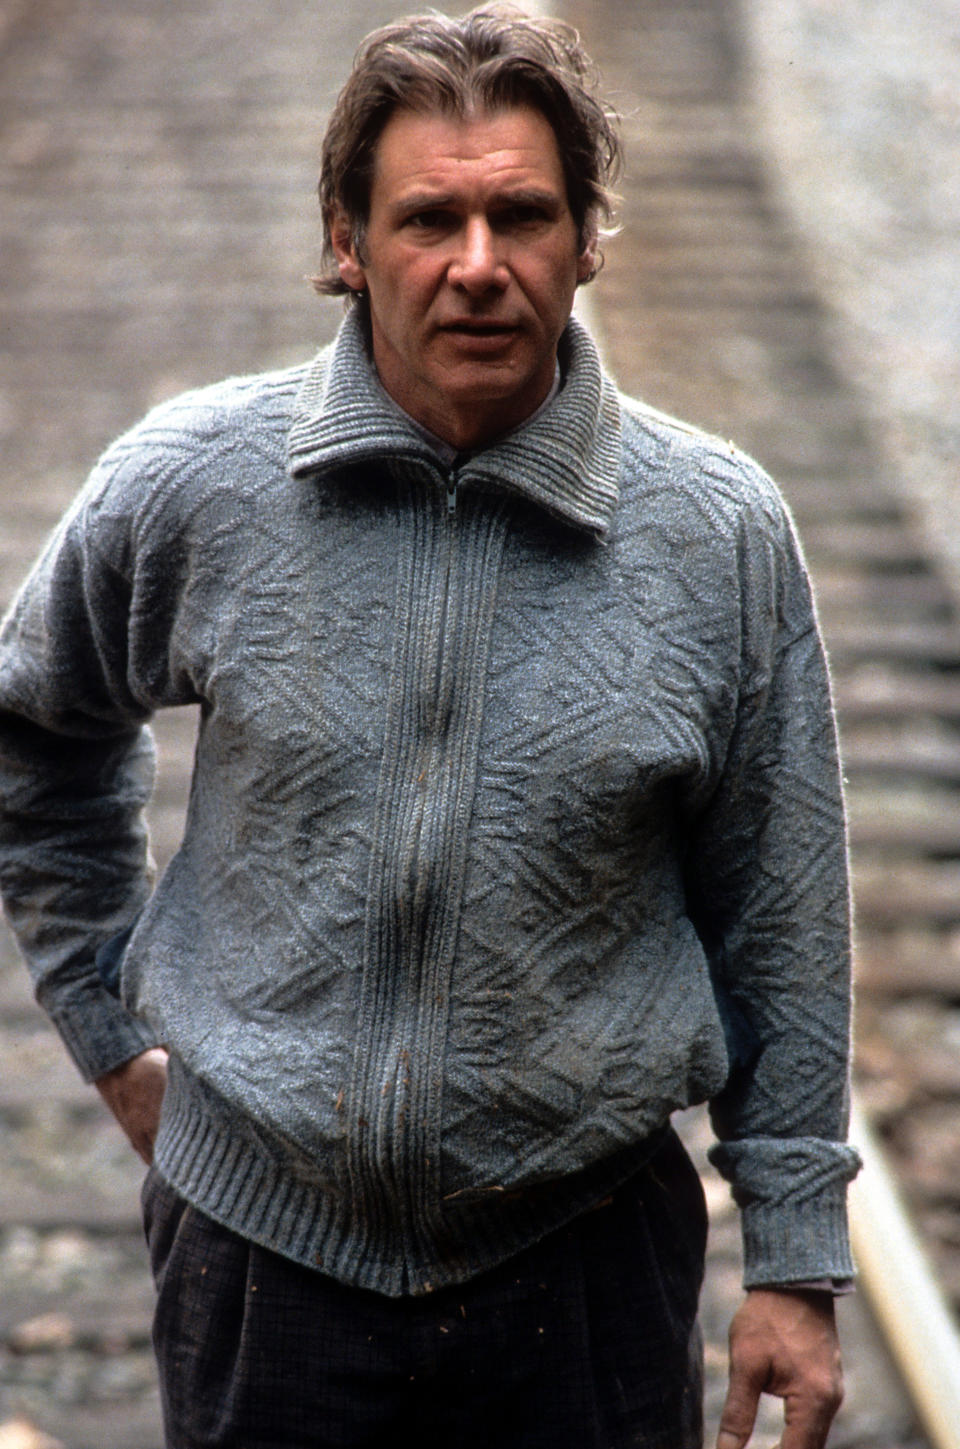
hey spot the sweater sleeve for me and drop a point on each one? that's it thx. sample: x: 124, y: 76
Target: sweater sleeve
x: 768, y: 887
x: 76, y: 770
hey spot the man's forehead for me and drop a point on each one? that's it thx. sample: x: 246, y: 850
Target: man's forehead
x: 509, y: 143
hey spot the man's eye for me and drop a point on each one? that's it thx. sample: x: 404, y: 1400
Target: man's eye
x: 428, y: 220
x: 522, y: 216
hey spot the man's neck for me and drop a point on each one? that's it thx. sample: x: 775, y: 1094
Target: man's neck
x: 448, y: 452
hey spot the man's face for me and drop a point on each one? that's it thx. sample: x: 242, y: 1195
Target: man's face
x: 471, y: 261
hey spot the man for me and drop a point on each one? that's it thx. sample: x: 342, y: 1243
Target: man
x: 515, y: 826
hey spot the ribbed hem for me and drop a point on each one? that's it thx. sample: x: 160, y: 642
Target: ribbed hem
x: 242, y: 1177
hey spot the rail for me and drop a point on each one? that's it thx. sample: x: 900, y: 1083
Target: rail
x: 907, y: 1302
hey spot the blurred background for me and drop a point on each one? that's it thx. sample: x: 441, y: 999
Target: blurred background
x: 787, y: 275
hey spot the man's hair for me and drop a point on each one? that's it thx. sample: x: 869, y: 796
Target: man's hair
x: 493, y: 57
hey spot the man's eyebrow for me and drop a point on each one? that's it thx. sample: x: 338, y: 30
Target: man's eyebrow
x: 529, y: 196
x: 423, y: 201
x: 426, y: 200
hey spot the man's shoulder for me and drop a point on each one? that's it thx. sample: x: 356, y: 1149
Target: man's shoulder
x: 194, y: 441
x: 680, y: 460
x: 241, y: 406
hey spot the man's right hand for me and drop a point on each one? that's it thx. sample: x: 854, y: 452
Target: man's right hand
x: 134, y: 1094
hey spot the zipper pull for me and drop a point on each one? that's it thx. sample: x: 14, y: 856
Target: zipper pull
x: 452, y: 494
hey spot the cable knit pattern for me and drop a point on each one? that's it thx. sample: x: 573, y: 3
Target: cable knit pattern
x: 515, y: 824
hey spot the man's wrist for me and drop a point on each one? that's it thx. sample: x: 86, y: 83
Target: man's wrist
x: 836, y: 1286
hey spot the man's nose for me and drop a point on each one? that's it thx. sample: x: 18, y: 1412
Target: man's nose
x: 478, y: 266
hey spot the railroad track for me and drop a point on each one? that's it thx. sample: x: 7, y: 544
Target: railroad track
x: 706, y: 308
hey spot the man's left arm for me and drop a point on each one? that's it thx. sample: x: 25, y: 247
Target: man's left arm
x: 768, y: 887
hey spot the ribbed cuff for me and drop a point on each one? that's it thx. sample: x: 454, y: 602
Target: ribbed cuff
x: 792, y: 1196
x: 97, y: 1031
x: 796, y: 1242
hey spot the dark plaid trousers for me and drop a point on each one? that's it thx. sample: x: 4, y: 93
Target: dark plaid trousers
x: 587, y: 1340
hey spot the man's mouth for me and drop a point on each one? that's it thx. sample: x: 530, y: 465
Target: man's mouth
x: 474, y: 330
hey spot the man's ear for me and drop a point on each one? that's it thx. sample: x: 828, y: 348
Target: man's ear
x: 587, y: 260
x: 345, y: 250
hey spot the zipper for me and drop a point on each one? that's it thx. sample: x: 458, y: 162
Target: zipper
x: 411, y: 922
x: 406, y: 1092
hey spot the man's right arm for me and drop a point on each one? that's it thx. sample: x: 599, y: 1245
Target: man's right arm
x: 76, y: 770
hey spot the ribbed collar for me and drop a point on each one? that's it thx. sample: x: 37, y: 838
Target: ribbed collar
x: 566, y: 459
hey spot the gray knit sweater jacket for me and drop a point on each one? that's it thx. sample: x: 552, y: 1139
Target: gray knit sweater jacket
x: 515, y: 821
